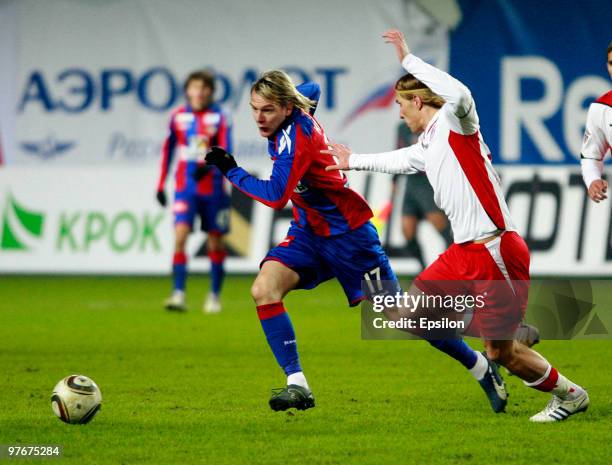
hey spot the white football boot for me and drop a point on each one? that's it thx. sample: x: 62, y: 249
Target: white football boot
x: 176, y: 302
x: 212, y: 304
x: 561, y: 409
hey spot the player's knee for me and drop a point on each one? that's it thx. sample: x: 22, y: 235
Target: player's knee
x: 180, y: 237
x: 499, y: 354
x: 215, y: 243
x: 409, y: 233
x: 263, y: 292
x: 257, y: 291
x: 503, y: 354
x: 493, y: 354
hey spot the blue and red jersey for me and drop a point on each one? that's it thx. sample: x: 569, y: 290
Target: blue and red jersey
x: 190, y: 135
x: 322, y: 200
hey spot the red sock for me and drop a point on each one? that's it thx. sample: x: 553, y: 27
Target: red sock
x: 217, y: 257
x: 547, y: 382
x: 179, y: 258
x: 267, y: 311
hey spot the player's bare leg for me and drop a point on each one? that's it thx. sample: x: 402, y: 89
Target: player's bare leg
x: 176, y: 301
x: 520, y: 360
x: 409, y: 228
x: 272, y: 284
x: 216, y: 253
x: 439, y: 221
x: 535, y: 371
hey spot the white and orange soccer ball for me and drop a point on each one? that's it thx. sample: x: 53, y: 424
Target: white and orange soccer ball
x: 76, y: 399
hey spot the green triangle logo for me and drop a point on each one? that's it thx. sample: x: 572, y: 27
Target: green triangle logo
x: 596, y: 326
x: 32, y: 222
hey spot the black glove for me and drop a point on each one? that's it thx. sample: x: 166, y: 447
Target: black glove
x: 221, y: 159
x: 201, y: 171
x: 161, y: 198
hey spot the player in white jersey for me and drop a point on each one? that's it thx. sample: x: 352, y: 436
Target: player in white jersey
x: 487, y: 248
x: 597, y: 141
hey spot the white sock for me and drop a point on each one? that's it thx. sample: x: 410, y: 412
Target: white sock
x: 298, y: 378
x: 566, y: 389
x: 480, y: 369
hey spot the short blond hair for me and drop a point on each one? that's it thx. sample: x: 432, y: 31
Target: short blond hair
x: 407, y: 86
x: 276, y: 85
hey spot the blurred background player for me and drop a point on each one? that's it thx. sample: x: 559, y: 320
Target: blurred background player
x: 200, y: 189
x: 597, y: 141
x: 418, y: 204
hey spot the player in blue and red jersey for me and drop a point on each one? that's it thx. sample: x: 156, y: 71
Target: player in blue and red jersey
x: 330, y: 236
x: 200, y: 189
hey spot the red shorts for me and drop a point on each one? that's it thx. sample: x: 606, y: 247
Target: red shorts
x: 498, y: 271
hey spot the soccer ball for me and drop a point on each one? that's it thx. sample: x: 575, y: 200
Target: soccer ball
x: 76, y: 399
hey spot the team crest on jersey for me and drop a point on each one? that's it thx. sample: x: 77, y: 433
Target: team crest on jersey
x: 211, y: 131
x: 300, y: 188
x: 200, y: 146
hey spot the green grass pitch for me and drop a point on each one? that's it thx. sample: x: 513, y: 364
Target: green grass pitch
x: 193, y: 388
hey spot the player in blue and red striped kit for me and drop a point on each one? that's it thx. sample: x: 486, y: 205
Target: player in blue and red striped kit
x: 200, y: 189
x: 330, y: 236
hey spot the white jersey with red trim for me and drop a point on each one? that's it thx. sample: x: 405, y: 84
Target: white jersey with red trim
x: 452, y: 153
x: 597, y: 140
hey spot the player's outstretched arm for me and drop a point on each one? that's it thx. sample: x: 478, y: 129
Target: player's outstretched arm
x: 450, y: 89
x: 407, y: 160
x: 276, y: 191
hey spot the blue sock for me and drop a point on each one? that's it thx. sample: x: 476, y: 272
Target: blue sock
x: 281, y: 336
x: 217, y: 271
x: 179, y: 271
x: 458, y: 349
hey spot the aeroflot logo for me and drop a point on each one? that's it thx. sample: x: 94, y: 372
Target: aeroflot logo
x: 47, y: 148
x: 76, y: 90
